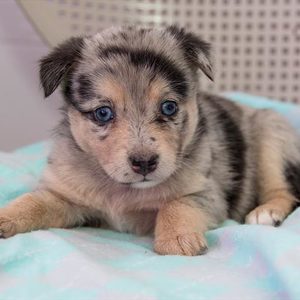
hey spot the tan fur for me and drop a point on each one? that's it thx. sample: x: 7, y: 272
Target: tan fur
x: 157, y: 90
x: 112, y: 89
x: 38, y: 210
x: 180, y: 228
x: 275, y: 198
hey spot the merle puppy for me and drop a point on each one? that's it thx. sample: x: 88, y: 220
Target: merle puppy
x: 140, y: 149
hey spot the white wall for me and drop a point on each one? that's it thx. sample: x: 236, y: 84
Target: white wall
x: 25, y: 117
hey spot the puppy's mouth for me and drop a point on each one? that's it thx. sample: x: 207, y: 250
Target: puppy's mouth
x: 141, y: 184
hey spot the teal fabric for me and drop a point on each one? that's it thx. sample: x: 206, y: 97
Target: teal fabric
x: 291, y: 111
x: 243, y: 262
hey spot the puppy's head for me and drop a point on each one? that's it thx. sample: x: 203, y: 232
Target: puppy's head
x: 131, y: 98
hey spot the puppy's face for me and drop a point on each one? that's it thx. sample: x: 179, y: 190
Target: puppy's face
x: 131, y: 99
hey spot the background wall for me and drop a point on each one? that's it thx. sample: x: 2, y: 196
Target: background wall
x: 256, y: 43
x: 25, y: 117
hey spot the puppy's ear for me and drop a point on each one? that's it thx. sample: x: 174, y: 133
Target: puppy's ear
x: 54, y: 66
x: 196, y: 50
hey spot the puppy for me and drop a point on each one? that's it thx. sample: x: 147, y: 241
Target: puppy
x: 140, y: 149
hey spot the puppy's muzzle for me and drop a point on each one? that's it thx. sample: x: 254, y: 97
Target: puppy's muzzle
x: 143, y: 164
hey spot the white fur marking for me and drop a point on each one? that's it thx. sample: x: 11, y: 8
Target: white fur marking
x: 263, y: 217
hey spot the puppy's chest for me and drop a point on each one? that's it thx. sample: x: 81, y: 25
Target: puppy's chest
x: 131, y: 211
x: 135, y: 210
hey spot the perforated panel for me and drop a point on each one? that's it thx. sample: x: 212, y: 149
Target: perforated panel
x: 256, y: 42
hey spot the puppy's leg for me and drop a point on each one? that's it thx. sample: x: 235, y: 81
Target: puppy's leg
x: 277, y: 144
x: 180, y: 228
x: 37, y: 210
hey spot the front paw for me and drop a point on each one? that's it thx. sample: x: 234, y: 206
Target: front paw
x: 189, y: 244
x: 7, y: 227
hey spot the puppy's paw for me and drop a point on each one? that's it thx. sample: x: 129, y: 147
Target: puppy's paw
x: 7, y: 227
x: 189, y: 244
x: 266, y: 215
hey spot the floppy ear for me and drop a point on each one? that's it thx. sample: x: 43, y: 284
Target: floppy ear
x: 54, y: 66
x: 196, y: 50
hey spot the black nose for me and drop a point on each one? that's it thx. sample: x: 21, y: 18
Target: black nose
x: 143, y: 165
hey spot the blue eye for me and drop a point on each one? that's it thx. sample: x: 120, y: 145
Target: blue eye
x: 103, y: 114
x: 169, y: 108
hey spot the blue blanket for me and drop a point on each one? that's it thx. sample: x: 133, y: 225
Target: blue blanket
x: 243, y: 262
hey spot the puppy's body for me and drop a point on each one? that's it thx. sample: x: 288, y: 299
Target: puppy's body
x: 222, y: 161
x: 213, y: 159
